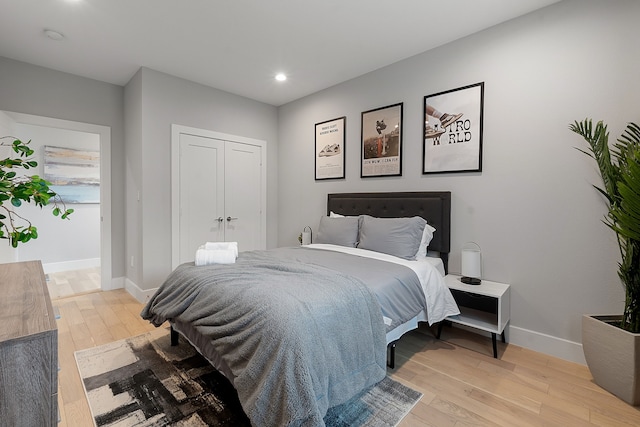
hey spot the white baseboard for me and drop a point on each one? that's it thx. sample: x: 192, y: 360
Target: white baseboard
x: 142, y: 295
x: 56, y: 267
x: 116, y: 283
x: 547, y: 344
x: 536, y: 341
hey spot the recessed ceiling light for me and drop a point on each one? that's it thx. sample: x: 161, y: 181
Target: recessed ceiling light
x: 53, y: 35
x: 281, y: 77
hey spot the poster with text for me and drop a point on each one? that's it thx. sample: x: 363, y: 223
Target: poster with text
x: 452, y: 130
x: 382, y: 142
x: 329, y: 153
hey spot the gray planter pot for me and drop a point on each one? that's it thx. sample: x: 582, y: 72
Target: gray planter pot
x: 613, y: 356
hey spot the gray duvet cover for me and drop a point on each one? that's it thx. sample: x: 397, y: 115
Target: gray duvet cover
x: 396, y: 287
x: 298, y: 337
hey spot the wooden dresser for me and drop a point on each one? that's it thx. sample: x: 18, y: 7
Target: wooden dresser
x: 28, y: 347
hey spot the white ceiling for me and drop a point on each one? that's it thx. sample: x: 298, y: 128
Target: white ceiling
x: 239, y: 45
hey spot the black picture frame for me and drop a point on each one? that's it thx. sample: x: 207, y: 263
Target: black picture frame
x: 381, y: 142
x: 452, y: 130
x: 330, y: 147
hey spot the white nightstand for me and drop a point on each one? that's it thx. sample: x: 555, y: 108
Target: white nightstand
x: 485, y: 306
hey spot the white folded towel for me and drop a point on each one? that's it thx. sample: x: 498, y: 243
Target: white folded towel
x: 214, y: 256
x: 233, y: 246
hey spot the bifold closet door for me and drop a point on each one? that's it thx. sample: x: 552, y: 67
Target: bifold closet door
x: 243, y: 195
x: 201, y: 193
x: 220, y: 194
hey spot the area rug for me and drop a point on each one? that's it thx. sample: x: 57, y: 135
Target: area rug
x: 143, y: 381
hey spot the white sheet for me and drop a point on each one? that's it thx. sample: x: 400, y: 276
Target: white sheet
x: 439, y: 301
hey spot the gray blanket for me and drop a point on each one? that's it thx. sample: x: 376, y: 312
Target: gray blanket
x: 396, y: 287
x: 299, y: 338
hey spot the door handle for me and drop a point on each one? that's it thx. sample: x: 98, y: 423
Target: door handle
x: 219, y: 219
x: 230, y: 219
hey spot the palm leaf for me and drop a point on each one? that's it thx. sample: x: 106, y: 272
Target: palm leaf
x: 627, y: 142
x: 627, y: 213
x: 598, y: 140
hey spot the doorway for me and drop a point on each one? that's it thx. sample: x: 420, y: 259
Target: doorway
x: 103, y: 135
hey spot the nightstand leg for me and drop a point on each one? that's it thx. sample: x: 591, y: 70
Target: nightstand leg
x: 503, y: 340
x: 495, y: 345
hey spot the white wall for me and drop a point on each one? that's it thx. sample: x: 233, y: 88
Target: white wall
x: 29, y: 89
x: 153, y: 102
x: 69, y: 242
x: 532, y: 209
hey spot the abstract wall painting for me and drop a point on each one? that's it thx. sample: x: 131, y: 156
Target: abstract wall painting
x: 74, y: 174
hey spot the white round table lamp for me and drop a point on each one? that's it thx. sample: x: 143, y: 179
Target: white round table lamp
x: 306, y: 236
x: 471, y: 264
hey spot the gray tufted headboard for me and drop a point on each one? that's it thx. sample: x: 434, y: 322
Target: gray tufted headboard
x: 434, y: 206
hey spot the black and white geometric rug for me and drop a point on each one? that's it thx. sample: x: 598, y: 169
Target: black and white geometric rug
x: 143, y: 381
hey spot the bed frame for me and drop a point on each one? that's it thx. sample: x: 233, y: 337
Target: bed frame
x: 434, y: 206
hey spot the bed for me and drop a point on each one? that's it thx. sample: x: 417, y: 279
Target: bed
x: 299, y: 330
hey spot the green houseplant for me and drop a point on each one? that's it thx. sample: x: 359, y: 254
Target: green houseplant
x: 17, y: 188
x: 610, y: 342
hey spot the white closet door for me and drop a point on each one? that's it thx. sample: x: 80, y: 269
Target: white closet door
x: 218, y: 191
x: 243, y: 195
x: 202, y: 172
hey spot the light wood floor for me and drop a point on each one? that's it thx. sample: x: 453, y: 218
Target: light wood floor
x: 463, y: 385
x: 86, y: 321
x: 74, y: 282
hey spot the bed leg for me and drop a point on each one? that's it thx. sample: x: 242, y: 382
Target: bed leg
x: 174, y: 337
x: 391, y: 361
x: 439, y: 330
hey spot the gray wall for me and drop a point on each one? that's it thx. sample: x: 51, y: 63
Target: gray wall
x: 532, y: 209
x: 133, y: 176
x: 155, y: 101
x: 29, y: 89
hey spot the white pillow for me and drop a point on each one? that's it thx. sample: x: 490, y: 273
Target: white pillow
x: 332, y: 214
x: 427, y: 235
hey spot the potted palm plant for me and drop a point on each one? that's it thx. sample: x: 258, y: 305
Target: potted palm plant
x: 611, y: 343
x: 17, y: 188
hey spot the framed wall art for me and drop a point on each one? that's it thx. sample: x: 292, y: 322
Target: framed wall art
x: 329, y: 148
x: 381, y: 147
x: 452, y: 130
x: 73, y: 174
